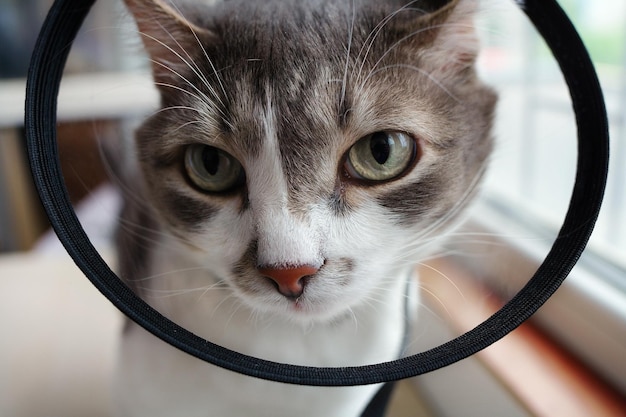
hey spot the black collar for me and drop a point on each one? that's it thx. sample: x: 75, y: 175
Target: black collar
x: 57, y: 34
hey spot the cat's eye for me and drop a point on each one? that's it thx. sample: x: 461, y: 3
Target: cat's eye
x: 380, y: 156
x: 212, y: 169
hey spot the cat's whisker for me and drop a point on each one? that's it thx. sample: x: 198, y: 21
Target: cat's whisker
x: 439, y: 253
x: 344, y: 82
x: 446, y: 277
x: 223, y: 301
x: 383, y: 56
x: 371, y: 37
x: 256, y: 318
x: 190, y: 63
x: 116, y: 177
x: 151, y: 236
x: 146, y: 234
x: 169, y: 66
x: 234, y: 311
x: 424, y: 305
x: 199, y: 97
x: 415, y: 338
x: 427, y: 237
x: 458, y: 206
x: 350, y: 312
x: 437, y: 299
x: 374, y: 299
x: 148, y: 239
x: 189, y: 123
x: 422, y: 250
x: 219, y: 285
x: 170, y: 273
x: 169, y: 293
x: 180, y: 107
x: 159, y: 294
x: 400, y: 42
x: 226, y: 305
x: 482, y: 241
x: 163, y: 63
x: 176, y: 87
x: 416, y: 251
x: 490, y: 240
x: 208, y: 59
x: 199, y: 121
x: 417, y: 69
x: 190, y: 60
x: 367, y: 46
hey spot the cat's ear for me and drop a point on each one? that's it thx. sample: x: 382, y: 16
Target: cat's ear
x: 449, y: 31
x: 168, y: 37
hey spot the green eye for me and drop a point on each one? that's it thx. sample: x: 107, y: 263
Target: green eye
x: 380, y: 156
x: 212, y: 169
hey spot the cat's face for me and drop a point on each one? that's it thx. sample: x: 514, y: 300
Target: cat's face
x: 332, y: 140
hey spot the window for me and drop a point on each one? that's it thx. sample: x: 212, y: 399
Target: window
x: 528, y: 189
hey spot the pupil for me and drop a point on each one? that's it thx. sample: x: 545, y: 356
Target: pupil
x: 211, y: 160
x: 380, y: 147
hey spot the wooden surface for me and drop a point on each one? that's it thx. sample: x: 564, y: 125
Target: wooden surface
x: 546, y: 379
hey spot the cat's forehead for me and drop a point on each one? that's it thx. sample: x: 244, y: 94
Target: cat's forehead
x: 295, y: 89
x: 295, y: 31
x: 318, y: 67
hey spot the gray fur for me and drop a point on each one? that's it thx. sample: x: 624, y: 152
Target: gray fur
x: 311, y: 78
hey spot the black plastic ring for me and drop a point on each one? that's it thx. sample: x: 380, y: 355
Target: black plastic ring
x: 57, y: 34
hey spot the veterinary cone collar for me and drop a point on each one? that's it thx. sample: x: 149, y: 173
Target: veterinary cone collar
x: 58, y: 32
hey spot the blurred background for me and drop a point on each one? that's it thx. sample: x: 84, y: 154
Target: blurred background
x: 106, y: 90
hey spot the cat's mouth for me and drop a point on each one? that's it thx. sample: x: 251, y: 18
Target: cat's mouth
x: 304, y: 290
x: 298, y: 305
x: 307, y: 308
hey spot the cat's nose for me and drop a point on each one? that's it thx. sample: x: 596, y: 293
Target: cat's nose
x: 290, y: 281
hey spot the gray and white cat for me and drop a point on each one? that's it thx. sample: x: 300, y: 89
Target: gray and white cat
x: 306, y: 156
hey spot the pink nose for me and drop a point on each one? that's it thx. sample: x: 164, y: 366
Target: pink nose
x: 290, y: 282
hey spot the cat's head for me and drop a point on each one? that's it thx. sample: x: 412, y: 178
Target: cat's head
x: 307, y: 152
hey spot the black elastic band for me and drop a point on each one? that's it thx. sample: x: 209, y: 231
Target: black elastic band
x: 56, y: 37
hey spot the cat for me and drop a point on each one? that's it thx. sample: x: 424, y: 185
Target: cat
x: 305, y: 157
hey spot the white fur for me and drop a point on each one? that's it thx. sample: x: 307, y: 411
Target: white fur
x: 155, y: 379
x: 282, y: 239
x: 358, y: 322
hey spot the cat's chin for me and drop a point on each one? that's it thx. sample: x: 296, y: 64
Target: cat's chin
x: 302, y: 312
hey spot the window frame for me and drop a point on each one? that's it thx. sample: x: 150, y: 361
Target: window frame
x: 587, y: 315
x: 511, y: 230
